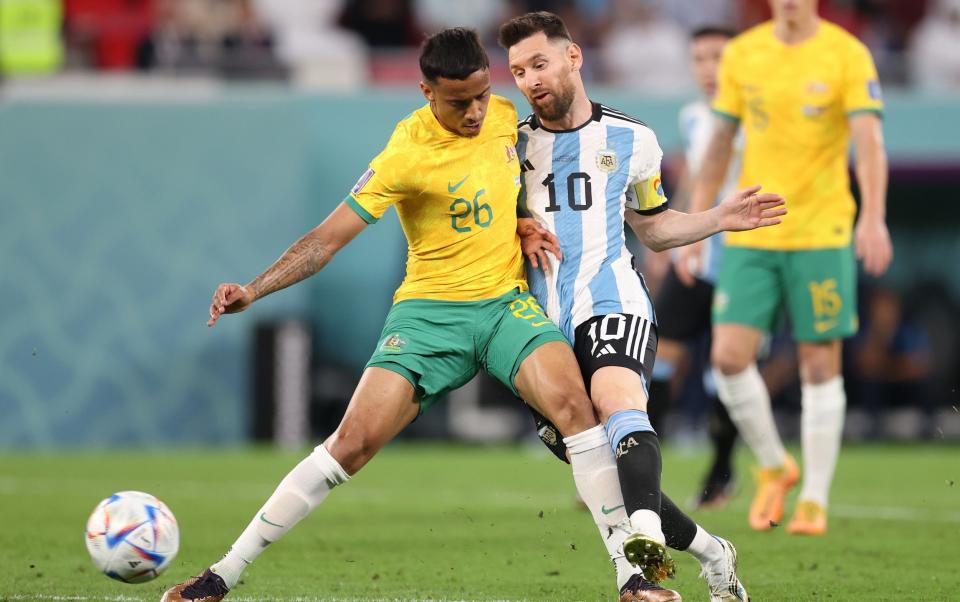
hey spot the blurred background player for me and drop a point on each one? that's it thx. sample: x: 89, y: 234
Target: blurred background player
x: 802, y: 88
x: 683, y: 308
x: 587, y: 168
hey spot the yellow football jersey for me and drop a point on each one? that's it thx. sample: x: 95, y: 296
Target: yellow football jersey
x: 794, y: 103
x: 457, y: 202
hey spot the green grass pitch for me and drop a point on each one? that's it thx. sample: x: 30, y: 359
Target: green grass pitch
x: 450, y: 523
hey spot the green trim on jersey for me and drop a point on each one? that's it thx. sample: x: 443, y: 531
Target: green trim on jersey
x: 876, y: 112
x: 727, y: 116
x: 359, y: 210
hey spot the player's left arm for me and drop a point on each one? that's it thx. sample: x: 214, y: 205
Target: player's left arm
x: 871, y: 237
x: 745, y: 209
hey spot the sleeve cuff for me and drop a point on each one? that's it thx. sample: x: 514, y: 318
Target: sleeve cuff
x: 359, y: 210
x: 658, y: 209
x: 875, y: 111
x: 728, y: 116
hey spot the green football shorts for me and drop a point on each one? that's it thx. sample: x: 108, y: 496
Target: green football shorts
x: 817, y: 286
x: 440, y: 345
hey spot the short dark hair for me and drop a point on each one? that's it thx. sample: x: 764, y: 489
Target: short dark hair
x: 452, y: 54
x: 520, y: 28
x: 712, y: 30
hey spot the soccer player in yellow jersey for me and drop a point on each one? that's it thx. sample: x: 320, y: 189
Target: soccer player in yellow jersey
x: 451, y: 171
x: 801, y: 88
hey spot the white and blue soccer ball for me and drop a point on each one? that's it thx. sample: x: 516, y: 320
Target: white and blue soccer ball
x: 132, y: 536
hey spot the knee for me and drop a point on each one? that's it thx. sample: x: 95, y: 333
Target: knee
x: 351, y: 449
x: 730, y: 357
x: 819, y: 363
x: 574, y: 413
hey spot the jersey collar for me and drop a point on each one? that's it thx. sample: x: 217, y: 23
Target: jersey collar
x: 595, y: 115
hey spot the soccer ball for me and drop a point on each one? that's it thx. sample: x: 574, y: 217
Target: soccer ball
x: 132, y: 536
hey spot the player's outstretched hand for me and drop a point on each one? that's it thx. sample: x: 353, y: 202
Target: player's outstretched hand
x: 746, y: 210
x: 229, y: 299
x: 872, y: 242
x: 535, y: 241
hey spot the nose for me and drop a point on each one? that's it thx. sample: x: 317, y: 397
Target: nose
x: 475, y: 112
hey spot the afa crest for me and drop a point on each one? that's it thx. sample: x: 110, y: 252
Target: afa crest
x: 607, y: 160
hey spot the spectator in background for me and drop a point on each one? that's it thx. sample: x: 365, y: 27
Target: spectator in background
x: 484, y: 16
x: 312, y: 45
x: 934, y: 51
x: 381, y: 23
x: 644, y: 51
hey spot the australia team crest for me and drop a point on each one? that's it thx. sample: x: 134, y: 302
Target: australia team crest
x: 607, y: 160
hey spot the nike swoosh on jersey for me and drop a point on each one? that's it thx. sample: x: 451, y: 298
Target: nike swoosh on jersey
x: 611, y: 510
x: 454, y: 187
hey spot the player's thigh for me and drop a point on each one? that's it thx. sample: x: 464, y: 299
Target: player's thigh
x: 682, y: 312
x: 431, y: 344
x: 616, y: 353
x: 383, y: 404
x: 749, y: 289
x: 822, y: 294
x: 525, y: 351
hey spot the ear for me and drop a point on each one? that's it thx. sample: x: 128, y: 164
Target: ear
x: 575, y: 56
x: 427, y: 92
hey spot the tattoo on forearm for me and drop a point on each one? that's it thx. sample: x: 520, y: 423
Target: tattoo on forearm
x: 303, y: 259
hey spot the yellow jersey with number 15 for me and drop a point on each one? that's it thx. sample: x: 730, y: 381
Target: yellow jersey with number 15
x: 457, y: 202
x: 794, y: 102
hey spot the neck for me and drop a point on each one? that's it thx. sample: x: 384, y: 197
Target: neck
x: 798, y: 30
x: 581, y: 111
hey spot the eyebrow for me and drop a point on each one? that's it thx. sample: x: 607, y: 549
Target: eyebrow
x: 469, y: 98
x: 532, y: 59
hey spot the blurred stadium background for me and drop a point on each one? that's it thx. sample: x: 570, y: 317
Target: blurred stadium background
x: 150, y: 149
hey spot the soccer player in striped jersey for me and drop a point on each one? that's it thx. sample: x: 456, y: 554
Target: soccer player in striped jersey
x: 800, y: 89
x: 586, y: 168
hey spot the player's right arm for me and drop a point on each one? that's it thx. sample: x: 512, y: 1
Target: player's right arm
x: 380, y: 187
x: 303, y: 259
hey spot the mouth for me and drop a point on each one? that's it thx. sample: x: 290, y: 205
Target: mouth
x: 472, y: 128
x: 541, y: 97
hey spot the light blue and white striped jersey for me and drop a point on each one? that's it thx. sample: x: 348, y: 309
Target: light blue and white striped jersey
x: 577, y: 184
x: 696, y: 129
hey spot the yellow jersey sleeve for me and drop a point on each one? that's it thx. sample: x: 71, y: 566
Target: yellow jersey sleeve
x: 385, y: 181
x: 861, y: 86
x: 728, y: 101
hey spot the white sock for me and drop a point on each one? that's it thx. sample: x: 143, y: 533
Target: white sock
x: 821, y: 433
x: 648, y: 523
x: 748, y: 403
x: 298, y: 494
x: 705, y: 547
x: 598, y: 483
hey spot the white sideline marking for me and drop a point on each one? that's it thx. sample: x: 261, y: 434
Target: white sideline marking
x: 893, y: 513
